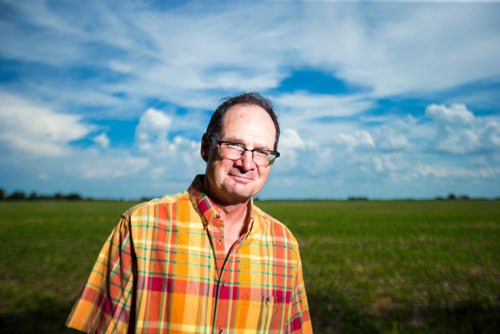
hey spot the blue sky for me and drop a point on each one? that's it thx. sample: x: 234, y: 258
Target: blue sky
x: 377, y: 99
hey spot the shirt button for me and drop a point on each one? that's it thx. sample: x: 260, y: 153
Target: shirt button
x: 219, y: 241
x: 217, y: 216
x: 221, y: 330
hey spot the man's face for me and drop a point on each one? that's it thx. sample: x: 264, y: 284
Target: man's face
x: 235, y: 181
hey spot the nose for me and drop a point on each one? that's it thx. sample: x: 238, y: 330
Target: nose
x: 246, y: 161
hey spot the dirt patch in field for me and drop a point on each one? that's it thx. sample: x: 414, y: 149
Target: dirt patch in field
x: 383, y: 305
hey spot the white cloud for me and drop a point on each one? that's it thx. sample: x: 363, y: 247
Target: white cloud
x: 37, y: 129
x: 120, y: 66
x: 188, y: 54
x: 292, y: 140
x: 152, y: 136
x: 491, y: 134
x: 102, y: 140
x: 152, y: 131
x: 357, y: 139
x: 385, y: 163
x: 395, y: 149
x: 457, y: 171
x: 294, y: 149
x: 318, y: 117
x: 456, y: 115
x: 108, y: 166
x: 391, y: 138
x: 110, y: 60
x: 458, y: 130
x: 168, y: 155
x: 402, y: 48
x: 310, y: 106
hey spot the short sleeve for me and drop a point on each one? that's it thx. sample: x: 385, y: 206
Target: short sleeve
x: 104, y: 305
x: 299, y: 320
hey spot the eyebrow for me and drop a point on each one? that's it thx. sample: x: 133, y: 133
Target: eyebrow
x: 240, y: 142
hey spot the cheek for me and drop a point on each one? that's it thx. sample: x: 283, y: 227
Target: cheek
x: 263, y: 173
x: 221, y: 168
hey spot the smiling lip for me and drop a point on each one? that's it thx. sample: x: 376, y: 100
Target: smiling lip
x: 240, y: 178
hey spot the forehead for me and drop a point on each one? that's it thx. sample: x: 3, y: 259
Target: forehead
x: 249, y: 123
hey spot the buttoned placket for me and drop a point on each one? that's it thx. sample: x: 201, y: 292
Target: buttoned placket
x: 216, y: 236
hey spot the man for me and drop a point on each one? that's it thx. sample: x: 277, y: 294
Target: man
x: 206, y: 260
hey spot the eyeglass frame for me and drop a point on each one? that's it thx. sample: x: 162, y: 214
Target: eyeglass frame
x: 270, y: 152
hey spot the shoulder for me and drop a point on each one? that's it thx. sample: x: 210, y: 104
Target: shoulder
x: 157, y: 207
x: 274, y: 227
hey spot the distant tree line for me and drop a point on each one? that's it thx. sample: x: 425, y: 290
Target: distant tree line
x: 452, y: 196
x: 33, y: 196
x: 357, y: 198
x: 449, y: 197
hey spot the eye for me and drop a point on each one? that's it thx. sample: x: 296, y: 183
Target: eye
x: 235, y: 146
x: 264, y: 153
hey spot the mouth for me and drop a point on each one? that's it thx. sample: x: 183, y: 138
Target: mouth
x: 241, y: 178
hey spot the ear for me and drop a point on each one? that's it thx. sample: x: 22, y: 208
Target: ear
x: 205, y: 147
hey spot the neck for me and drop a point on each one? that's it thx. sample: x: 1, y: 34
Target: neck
x: 234, y: 212
x: 235, y: 223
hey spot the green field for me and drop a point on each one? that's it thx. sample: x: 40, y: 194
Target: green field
x: 369, y: 266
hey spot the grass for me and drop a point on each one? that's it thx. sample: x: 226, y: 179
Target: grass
x: 48, y: 249
x: 399, y: 267
x: 369, y: 266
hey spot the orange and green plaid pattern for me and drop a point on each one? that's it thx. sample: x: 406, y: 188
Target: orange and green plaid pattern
x: 163, y: 269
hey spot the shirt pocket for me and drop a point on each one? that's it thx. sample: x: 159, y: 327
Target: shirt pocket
x: 261, y: 313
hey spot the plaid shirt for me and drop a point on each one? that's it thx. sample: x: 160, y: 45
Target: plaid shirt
x: 164, y: 269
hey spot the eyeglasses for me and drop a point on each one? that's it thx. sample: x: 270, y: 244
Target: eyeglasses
x: 234, y: 151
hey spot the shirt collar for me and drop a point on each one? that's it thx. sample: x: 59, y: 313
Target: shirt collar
x: 207, y: 209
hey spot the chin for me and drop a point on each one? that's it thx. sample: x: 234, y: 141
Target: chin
x: 244, y: 193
